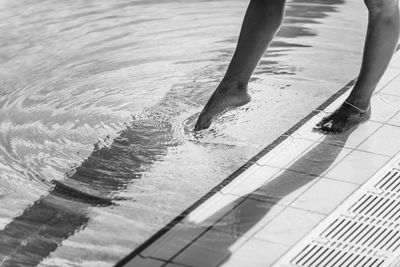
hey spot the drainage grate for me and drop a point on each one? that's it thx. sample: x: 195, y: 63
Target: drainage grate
x: 363, y: 231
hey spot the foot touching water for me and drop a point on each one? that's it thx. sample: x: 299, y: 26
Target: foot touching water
x: 344, y: 118
x: 224, y: 98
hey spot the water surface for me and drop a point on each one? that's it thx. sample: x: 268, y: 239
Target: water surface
x: 97, y: 103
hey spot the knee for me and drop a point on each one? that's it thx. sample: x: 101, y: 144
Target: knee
x: 382, y: 8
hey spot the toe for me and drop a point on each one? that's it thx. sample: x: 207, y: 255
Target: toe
x: 327, y: 126
x: 320, y: 124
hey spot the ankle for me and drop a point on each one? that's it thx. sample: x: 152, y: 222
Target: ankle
x: 363, y: 104
x: 233, y: 85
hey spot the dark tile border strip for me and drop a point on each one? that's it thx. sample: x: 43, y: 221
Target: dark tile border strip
x: 235, y: 174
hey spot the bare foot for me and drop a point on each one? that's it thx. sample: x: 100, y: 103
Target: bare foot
x: 344, y: 118
x: 225, y: 97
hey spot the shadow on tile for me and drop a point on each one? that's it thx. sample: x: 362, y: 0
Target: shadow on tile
x: 224, y: 230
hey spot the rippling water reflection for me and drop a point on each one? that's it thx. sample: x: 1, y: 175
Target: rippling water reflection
x: 130, y: 77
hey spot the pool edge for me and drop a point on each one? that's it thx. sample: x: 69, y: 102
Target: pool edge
x: 235, y: 174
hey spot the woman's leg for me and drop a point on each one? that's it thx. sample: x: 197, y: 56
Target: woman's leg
x: 381, y: 41
x: 262, y: 20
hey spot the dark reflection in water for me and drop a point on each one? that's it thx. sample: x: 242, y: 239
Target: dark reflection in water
x: 65, y: 210
x: 40, y: 229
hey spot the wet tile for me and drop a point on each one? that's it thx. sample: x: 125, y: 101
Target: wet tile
x: 250, y: 216
x: 209, y: 250
x: 356, y: 137
x: 250, y: 180
x: 286, y: 153
x: 256, y: 253
x: 392, y: 88
x: 319, y: 159
x: 173, y: 241
x: 289, y: 226
x: 335, y: 104
x: 212, y: 210
x: 357, y: 167
x: 385, y: 141
x: 324, y: 195
x: 306, y: 131
x: 384, y: 107
x: 284, y: 188
x: 144, y: 262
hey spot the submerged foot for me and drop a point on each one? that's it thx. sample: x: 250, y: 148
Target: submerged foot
x: 224, y: 98
x: 344, y: 118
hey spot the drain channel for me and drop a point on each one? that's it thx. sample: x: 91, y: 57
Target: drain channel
x: 363, y: 231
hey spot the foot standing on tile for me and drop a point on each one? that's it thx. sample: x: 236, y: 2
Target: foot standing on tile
x: 263, y: 19
x: 380, y: 44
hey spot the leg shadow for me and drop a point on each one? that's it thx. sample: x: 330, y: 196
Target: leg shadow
x: 222, y: 229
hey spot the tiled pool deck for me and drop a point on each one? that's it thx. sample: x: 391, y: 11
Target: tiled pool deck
x: 264, y: 209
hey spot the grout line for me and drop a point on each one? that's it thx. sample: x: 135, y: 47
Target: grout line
x: 235, y: 174
x: 352, y: 196
x: 239, y: 171
x: 388, y: 94
x: 207, y: 229
x: 339, y: 180
x: 292, y: 160
x: 391, y: 124
x: 373, y: 133
x: 284, y: 207
x: 386, y: 84
x: 329, y: 168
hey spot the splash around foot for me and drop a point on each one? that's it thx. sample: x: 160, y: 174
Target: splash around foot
x: 221, y: 101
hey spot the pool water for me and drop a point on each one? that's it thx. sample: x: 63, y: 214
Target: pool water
x: 97, y: 104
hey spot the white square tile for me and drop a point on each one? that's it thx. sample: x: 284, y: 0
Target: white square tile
x: 396, y: 56
x: 389, y: 75
x: 352, y: 139
x: 289, y: 226
x: 307, y: 130
x: 337, y: 103
x: 144, y: 262
x: 395, y: 120
x: 255, y: 253
x: 211, y: 249
x: 385, y: 141
x: 324, y: 196
x: 284, y: 154
x: 395, y: 62
x: 319, y: 159
x: 174, y: 265
x: 250, y: 180
x: 212, y: 210
x: 392, y: 87
x: 173, y: 241
x: 383, y: 107
x: 248, y: 218
x: 284, y: 188
x: 357, y: 167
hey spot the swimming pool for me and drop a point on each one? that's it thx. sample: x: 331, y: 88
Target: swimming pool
x: 97, y: 104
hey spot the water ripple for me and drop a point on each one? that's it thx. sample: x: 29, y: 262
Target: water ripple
x: 98, y: 100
